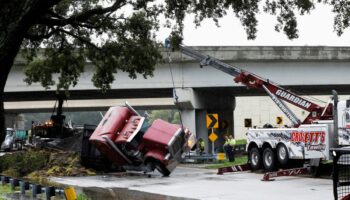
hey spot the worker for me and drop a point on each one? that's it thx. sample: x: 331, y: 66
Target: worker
x: 229, y: 147
x: 201, y: 146
x: 232, y: 143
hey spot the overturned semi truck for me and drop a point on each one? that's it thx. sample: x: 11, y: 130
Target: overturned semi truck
x: 128, y: 140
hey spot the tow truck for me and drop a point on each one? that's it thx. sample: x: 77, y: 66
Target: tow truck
x: 14, y: 139
x: 309, y: 140
x: 130, y: 141
x: 55, y: 127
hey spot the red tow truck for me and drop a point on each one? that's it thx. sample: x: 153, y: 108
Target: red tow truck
x: 128, y: 140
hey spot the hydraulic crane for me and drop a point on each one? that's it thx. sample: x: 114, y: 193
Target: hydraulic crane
x: 276, y: 92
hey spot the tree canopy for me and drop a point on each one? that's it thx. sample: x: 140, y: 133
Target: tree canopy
x: 171, y: 116
x: 119, y: 35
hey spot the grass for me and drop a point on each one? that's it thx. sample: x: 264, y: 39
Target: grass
x: 4, y: 189
x: 241, y: 141
x: 80, y: 197
x: 239, y: 160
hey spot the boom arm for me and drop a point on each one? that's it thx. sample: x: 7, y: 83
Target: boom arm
x: 276, y: 92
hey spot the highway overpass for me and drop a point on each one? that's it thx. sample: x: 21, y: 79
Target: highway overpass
x: 310, y: 70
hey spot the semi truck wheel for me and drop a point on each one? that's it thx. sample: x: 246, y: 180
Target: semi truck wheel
x: 282, y: 154
x: 162, y: 169
x: 269, y: 159
x: 255, y: 158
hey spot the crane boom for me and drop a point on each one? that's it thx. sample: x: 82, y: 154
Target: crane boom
x: 276, y: 92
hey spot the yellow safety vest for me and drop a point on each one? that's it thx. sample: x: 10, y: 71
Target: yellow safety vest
x: 201, y: 144
x: 232, y: 142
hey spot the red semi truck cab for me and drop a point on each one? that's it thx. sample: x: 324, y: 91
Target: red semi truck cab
x: 130, y: 141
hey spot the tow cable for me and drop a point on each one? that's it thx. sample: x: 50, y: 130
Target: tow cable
x: 175, y: 97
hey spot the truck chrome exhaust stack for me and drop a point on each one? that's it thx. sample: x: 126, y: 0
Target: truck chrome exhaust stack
x: 335, y: 111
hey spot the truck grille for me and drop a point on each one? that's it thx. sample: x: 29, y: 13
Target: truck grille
x: 177, y: 142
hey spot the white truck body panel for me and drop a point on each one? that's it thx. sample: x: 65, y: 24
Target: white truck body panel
x: 343, y: 124
x: 306, y: 142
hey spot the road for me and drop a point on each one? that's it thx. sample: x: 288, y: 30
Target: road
x: 205, y: 184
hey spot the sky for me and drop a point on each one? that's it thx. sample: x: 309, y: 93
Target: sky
x: 315, y: 29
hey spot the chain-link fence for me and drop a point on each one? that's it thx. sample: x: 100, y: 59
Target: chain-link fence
x: 341, y: 173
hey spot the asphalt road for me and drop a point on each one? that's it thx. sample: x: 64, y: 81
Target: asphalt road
x: 194, y: 183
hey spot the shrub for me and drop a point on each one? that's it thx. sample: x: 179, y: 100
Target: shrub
x: 19, y: 164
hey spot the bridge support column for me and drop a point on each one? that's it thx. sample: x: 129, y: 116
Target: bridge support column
x: 193, y: 119
x: 14, y: 120
x: 195, y: 105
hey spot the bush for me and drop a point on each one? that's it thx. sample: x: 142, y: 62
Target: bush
x: 19, y: 164
x: 36, y: 164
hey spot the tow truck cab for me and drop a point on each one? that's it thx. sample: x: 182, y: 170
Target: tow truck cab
x: 9, y: 141
x: 130, y: 141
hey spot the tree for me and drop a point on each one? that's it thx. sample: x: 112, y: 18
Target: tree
x: 171, y: 116
x: 74, y: 31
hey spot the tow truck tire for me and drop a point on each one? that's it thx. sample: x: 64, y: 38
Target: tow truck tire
x: 269, y: 159
x: 254, y: 158
x: 162, y: 169
x: 10, y: 148
x: 282, y: 154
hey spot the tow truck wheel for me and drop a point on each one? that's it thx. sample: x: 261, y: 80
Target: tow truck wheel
x: 10, y: 148
x: 282, y: 154
x: 255, y: 158
x: 162, y: 169
x: 269, y: 159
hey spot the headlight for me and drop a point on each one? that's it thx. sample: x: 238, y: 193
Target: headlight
x: 191, y: 141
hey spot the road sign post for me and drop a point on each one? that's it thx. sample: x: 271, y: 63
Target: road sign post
x: 279, y: 120
x: 212, y: 122
x: 212, y: 137
x: 213, y: 142
x: 224, y: 124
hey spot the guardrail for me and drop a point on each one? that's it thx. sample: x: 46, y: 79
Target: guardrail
x: 48, y: 191
x: 239, y: 149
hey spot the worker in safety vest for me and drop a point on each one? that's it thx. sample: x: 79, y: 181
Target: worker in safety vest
x: 201, y: 146
x: 231, y: 141
x: 229, y: 147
